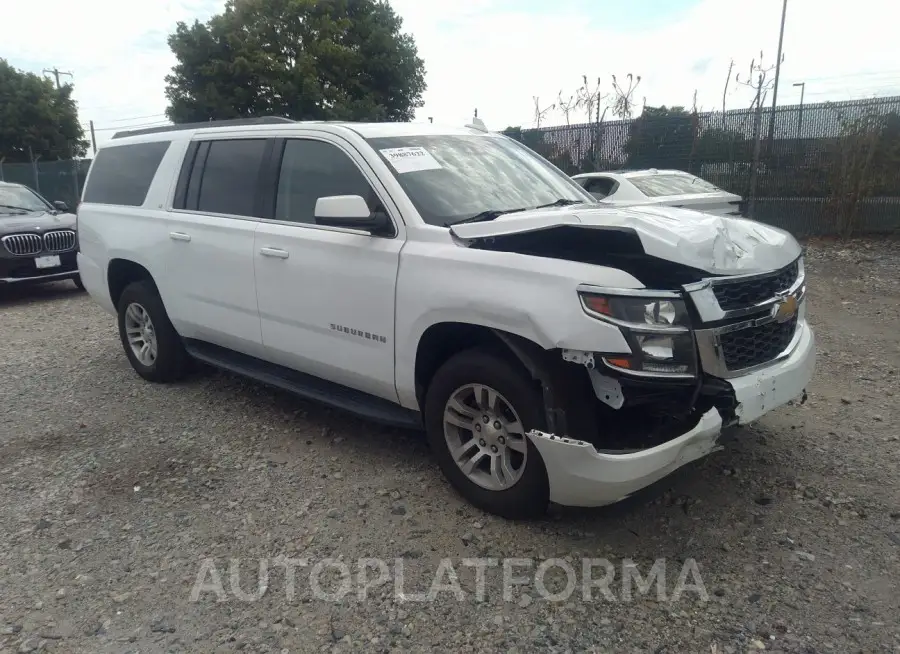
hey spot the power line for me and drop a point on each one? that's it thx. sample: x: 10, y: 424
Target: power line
x: 859, y: 75
x: 126, y: 120
x: 125, y: 128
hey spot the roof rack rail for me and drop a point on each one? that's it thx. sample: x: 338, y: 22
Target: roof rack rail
x: 235, y: 122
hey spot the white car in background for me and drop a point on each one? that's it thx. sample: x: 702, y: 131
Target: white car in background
x: 674, y: 188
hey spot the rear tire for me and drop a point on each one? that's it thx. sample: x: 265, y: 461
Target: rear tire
x: 150, y: 341
x: 495, y: 437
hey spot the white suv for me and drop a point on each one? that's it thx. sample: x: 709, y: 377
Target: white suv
x: 553, y: 348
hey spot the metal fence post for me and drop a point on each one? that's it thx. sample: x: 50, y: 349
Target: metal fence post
x: 34, y: 169
x: 76, y: 195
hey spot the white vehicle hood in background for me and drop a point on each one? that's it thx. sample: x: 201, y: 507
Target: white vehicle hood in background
x: 716, y: 244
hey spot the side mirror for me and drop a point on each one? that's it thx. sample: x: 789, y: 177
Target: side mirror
x: 61, y: 206
x: 350, y: 211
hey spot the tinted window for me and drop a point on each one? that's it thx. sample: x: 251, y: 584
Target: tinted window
x: 314, y: 169
x: 599, y: 187
x: 449, y: 178
x: 122, y: 174
x: 655, y: 186
x: 230, y: 176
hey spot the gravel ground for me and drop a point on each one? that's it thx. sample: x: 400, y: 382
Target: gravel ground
x: 113, y: 493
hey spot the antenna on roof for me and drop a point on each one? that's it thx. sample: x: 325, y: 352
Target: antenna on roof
x: 477, y: 123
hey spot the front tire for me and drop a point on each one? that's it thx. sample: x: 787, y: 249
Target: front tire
x: 78, y: 283
x: 479, y: 409
x: 150, y: 341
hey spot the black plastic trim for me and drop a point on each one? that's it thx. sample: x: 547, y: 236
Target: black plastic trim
x: 264, y: 199
x: 195, y: 179
x: 313, y: 388
x: 185, y: 175
x: 269, y: 177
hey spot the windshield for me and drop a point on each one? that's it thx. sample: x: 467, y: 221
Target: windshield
x: 16, y: 199
x: 452, y: 178
x: 655, y: 186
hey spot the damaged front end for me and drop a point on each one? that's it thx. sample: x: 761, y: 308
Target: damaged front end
x: 648, y: 429
x: 716, y: 338
x: 694, y: 371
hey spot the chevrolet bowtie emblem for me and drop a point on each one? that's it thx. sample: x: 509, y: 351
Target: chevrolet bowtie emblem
x: 786, y: 309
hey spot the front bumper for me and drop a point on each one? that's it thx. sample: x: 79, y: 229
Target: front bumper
x: 579, y: 475
x: 22, y: 270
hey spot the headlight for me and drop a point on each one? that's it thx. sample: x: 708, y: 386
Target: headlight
x: 657, y: 329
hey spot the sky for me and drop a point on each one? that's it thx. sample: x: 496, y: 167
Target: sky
x: 496, y: 56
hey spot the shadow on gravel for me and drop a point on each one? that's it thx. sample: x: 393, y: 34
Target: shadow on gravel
x: 711, y: 493
x: 14, y: 294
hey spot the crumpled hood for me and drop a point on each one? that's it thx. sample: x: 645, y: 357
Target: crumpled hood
x: 719, y: 245
x: 43, y: 221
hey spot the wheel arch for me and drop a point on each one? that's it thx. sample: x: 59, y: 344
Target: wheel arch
x: 443, y: 340
x: 122, y: 272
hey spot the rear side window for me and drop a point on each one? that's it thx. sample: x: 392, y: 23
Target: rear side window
x: 655, y: 186
x: 230, y: 175
x: 122, y: 174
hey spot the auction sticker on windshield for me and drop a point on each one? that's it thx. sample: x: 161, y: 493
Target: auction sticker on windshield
x: 410, y: 160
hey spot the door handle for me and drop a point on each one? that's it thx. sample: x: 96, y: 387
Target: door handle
x: 179, y: 236
x: 274, y: 252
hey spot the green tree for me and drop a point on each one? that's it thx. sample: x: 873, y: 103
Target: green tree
x: 301, y: 59
x: 34, y: 114
x: 661, y: 138
x: 717, y: 145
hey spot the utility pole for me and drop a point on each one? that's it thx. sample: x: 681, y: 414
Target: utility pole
x: 93, y: 139
x: 802, y: 86
x: 56, y: 72
x: 761, y: 86
x: 777, y: 73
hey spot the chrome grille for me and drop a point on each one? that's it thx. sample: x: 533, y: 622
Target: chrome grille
x: 744, y: 323
x: 23, y: 245
x: 746, y: 348
x: 60, y: 240
x: 746, y: 293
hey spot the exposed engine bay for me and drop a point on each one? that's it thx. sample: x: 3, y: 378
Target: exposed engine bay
x: 618, y: 247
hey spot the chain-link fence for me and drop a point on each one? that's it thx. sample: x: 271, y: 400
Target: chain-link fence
x: 831, y: 168
x: 816, y: 169
x: 55, y: 180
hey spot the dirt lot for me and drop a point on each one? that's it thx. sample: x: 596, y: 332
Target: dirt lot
x: 114, y: 491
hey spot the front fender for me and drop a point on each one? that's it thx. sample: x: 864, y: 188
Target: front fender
x: 531, y: 297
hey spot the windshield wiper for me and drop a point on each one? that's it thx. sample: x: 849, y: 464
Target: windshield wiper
x: 491, y: 214
x: 482, y: 216
x: 9, y: 206
x: 562, y: 202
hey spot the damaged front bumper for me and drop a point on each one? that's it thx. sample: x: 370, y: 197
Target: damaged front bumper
x: 580, y: 475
